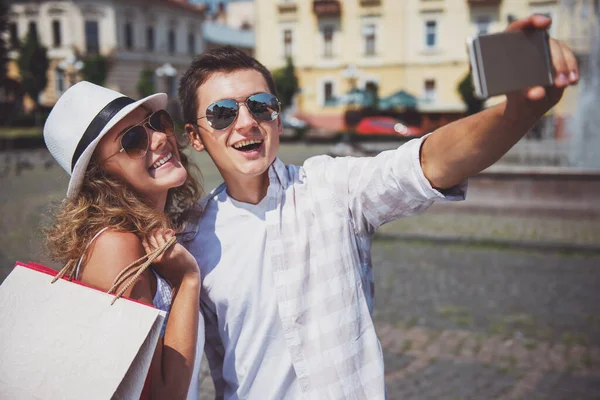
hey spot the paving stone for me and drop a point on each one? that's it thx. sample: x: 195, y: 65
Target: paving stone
x: 557, y: 386
x: 395, y: 362
x: 448, y: 379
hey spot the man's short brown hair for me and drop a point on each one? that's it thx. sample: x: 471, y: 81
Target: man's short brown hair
x: 221, y: 59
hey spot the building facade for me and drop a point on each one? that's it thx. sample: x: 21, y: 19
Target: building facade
x: 415, y: 46
x: 135, y: 35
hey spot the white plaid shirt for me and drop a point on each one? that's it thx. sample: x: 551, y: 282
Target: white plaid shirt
x: 320, y: 222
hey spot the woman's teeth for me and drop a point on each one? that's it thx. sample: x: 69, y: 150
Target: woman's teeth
x: 162, y: 161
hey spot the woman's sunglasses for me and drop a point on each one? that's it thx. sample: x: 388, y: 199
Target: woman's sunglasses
x: 136, y: 140
x: 221, y: 114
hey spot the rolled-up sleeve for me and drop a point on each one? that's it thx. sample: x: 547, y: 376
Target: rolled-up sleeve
x: 380, y: 189
x: 392, y: 185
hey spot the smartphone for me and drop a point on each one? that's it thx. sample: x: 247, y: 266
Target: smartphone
x: 509, y: 61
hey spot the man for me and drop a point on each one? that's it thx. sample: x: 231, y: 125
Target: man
x: 285, y: 250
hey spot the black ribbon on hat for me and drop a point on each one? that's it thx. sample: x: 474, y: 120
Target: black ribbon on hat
x: 97, y: 124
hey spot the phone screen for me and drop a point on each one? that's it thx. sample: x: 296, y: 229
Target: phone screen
x: 510, y: 61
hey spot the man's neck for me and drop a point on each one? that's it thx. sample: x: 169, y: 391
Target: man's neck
x: 249, y: 190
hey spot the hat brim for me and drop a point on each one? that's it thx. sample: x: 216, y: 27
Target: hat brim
x: 155, y: 102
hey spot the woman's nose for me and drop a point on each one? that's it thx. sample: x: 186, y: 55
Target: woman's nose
x: 157, y: 139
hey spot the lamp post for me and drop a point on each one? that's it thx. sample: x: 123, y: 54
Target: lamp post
x: 351, y: 114
x: 169, y: 72
x: 71, y: 66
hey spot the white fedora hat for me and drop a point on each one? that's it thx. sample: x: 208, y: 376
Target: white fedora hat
x: 80, y: 118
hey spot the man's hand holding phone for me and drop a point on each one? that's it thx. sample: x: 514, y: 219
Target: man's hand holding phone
x: 563, y: 61
x: 523, y: 63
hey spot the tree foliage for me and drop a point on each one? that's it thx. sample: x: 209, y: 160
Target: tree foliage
x: 286, y: 82
x: 3, y: 44
x: 33, y: 66
x: 145, y: 85
x: 466, y: 90
x: 95, y: 69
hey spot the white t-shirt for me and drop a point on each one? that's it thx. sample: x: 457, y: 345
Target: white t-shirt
x: 237, y: 280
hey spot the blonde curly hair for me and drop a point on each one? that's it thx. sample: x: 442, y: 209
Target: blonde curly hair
x: 105, y: 200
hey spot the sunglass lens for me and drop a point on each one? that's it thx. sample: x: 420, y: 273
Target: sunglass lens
x: 135, y: 142
x: 264, y: 106
x: 161, y: 121
x: 222, y: 113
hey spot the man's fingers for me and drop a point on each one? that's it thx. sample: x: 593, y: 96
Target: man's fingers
x: 571, y: 61
x: 536, y: 93
x: 534, y: 21
x: 561, y: 70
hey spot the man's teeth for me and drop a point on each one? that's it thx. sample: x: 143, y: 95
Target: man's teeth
x: 243, y: 143
x: 162, y: 161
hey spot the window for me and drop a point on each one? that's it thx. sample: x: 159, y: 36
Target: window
x: 56, y: 34
x: 92, y: 37
x: 430, y: 34
x: 14, y: 35
x: 328, y: 41
x: 32, y: 29
x: 191, y: 42
x: 150, y: 38
x: 128, y: 36
x: 59, y: 81
x: 482, y: 25
x: 171, y: 40
x: 369, y: 38
x: 287, y: 43
x: 429, y: 90
x: 328, y: 93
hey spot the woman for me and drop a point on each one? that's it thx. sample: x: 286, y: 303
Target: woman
x: 129, y: 192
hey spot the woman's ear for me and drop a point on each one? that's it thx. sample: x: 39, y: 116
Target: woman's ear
x: 194, y: 136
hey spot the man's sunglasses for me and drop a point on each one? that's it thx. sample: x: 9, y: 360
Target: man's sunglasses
x: 136, y: 140
x: 221, y: 114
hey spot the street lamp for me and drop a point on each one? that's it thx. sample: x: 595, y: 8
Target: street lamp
x: 351, y: 73
x: 71, y: 67
x: 351, y: 114
x: 166, y: 70
x: 169, y: 72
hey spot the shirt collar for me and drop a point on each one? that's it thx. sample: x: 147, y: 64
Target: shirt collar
x: 278, y: 173
x: 277, y: 176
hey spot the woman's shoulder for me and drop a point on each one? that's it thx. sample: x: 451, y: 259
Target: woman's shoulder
x: 108, y: 255
x: 118, y: 240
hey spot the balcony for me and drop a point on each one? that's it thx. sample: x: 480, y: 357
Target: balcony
x: 327, y: 8
x: 474, y: 3
x: 370, y: 3
x: 287, y: 6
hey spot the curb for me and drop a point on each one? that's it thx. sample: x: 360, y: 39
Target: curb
x: 500, y: 243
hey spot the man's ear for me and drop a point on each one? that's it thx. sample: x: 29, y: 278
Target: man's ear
x: 194, y: 136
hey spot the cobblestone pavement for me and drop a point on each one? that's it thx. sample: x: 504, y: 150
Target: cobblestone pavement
x: 465, y: 322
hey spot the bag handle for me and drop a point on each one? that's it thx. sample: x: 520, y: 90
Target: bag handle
x: 129, y: 274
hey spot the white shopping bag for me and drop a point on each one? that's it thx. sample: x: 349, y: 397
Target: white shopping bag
x: 66, y: 341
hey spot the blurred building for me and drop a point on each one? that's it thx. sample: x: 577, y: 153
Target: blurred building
x: 414, y: 50
x: 230, y: 23
x: 135, y: 35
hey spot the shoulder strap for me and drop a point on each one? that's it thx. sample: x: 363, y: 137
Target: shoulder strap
x: 85, y: 250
